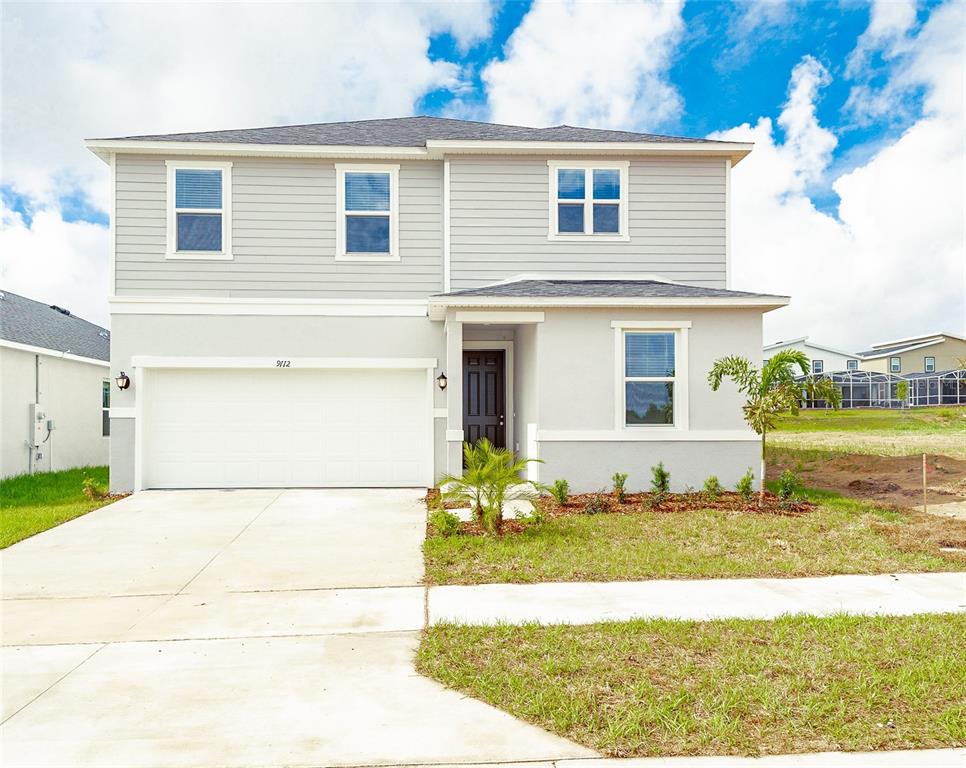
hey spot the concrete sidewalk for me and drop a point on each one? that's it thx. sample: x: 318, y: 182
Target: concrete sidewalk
x: 587, y: 603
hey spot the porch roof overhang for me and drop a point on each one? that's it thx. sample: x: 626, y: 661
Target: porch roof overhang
x: 539, y: 293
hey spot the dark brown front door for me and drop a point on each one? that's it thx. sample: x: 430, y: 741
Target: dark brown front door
x: 484, y: 396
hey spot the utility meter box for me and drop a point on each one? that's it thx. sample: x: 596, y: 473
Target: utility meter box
x: 38, y: 421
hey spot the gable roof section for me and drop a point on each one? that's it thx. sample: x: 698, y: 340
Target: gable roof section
x: 804, y: 340
x: 414, y: 137
x: 872, y: 354
x: 569, y: 292
x: 940, y: 336
x: 409, y: 132
x: 35, y: 324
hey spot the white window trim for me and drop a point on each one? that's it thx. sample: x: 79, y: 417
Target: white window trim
x: 172, y: 252
x: 821, y: 365
x: 340, y: 239
x: 681, y: 399
x: 851, y: 365
x: 107, y: 408
x: 925, y: 364
x: 898, y: 368
x: 623, y: 234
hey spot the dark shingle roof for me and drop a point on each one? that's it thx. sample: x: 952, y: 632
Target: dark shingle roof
x: 616, y: 289
x: 407, y: 132
x: 36, y: 324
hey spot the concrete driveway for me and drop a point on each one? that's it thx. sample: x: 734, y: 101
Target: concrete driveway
x: 234, y: 628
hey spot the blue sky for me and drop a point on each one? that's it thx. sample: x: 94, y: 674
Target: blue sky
x: 855, y: 108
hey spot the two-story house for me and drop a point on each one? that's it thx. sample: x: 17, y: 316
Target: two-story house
x: 344, y: 304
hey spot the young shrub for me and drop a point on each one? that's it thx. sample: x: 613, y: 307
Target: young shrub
x: 597, y: 504
x: 619, y: 479
x: 789, y: 486
x: 533, y: 518
x: 660, y: 482
x: 444, y: 522
x: 92, y: 489
x: 560, y: 490
x: 712, y: 489
x: 746, y: 486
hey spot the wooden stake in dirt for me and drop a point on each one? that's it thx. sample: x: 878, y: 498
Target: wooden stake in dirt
x: 924, y: 509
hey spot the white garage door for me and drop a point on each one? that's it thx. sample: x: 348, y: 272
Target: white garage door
x: 285, y: 428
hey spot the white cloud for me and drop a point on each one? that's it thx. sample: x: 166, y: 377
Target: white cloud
x: 751, y: 23
x: 55, y: 261
x: 809, y: 144
x: 74, y: 71
x: 593, y: 64
x: 889, y: 23
x: 892, y: 264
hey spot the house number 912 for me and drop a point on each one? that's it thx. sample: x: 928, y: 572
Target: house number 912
x: 283, y: 363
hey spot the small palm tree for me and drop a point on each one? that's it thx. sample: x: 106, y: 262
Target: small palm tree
x: 491, y: 477
x: 771, y: 391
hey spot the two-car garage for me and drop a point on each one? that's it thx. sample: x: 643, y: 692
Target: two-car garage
x: 291, y: 425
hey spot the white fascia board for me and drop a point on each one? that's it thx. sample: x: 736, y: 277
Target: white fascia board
x: 735, y: 150
x: 194, y: 305
x: 924, y: 337
x: 900, y: 351
x: 498, y: 318
x: 104, y: 147
x: 586, y: 276
x: 438, y: 306
x: 337, y: 363
x: 53, y: 353
x: 645, y: 434
x: 805, y: 342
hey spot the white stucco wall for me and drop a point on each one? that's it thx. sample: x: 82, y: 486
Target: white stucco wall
x: 70, y: 393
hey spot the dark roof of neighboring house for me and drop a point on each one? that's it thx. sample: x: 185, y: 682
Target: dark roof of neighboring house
x: 407, y: 132
x: 25, y: 321
x: 618, y: 289
x: 899, y: 348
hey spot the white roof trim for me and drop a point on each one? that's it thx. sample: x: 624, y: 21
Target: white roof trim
x: 923, y: 337
x: 586, y: 277
x: 438, y: 306
x: 902, y: 350
x: 435, y: 149
x: 53, y: 353
x: 804, y: 340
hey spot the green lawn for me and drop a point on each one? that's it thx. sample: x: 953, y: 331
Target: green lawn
x: 797, y: 684
x: 876, y: 431
x: 34, y: 503
x: 840, y: 536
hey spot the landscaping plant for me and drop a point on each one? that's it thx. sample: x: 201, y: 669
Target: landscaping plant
x: 92, y: 489
x: 491, y: 477
x: 712, y: 488
x: 444, y: 522
x: 619, y: 479
x: 789, y: 486
x: 746, y: 485
x: 660, y: 482
x: 772, y: 391
x: 597, y: 504
x: 560, y: 490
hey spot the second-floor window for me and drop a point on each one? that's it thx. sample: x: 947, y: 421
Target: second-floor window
x: 367, y: 227
x: 818, y: 366
x: 199, y: 210
x: 929, y: 364
x: 588, y: 200
x: 895, y: 365
x: 852, y: 365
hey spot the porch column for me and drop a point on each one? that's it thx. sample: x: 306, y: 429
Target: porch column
x: 454, y: 397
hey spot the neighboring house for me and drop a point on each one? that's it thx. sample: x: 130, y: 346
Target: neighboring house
x: 54, y: 388
x: 344, y: 304
x: 821, y: 358
x: 918, y: 354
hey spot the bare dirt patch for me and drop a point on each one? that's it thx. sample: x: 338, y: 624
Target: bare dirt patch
x: 889, y: 480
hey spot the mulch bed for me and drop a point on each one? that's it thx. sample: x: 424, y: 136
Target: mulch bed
x: 635, y: 503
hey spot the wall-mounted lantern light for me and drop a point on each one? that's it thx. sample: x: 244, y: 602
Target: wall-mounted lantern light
x: 122, y: 381
x: 441, y: 381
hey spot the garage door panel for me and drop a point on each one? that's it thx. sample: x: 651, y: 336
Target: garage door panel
x: 287, y: 428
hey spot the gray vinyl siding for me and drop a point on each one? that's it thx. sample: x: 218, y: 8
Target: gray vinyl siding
x: 499, y: 221
x: 283, y: 235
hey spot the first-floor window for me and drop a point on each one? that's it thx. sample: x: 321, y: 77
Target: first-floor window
x: 895, y: 364
x: 649, y: 377
x: 818, y: 366
x: 929, y: 364
x: 852, y: 365
x: 105, y: 408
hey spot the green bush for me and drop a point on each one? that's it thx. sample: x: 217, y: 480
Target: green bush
x: 597, y: 504
x: 560, y: 490
x: 93, y: 490
x: 746, y: 485
x: 619, y: 479
x: 712, y: 488
x: 660, y: 482
x: 444, y: 522
x: 789, y: 486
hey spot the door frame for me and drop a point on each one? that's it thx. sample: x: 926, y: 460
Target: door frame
x: 142, y: 364
x: 507, y: 348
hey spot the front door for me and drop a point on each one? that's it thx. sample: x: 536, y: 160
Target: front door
x: 484, y: 396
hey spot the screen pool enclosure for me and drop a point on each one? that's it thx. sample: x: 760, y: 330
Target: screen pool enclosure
x: 869, y: 389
